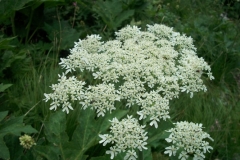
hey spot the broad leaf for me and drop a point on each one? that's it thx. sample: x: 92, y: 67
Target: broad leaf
x: 4, y: 152
x: 111, y: 15
x: 8, y: 7
x: 3, y: 87
x: 14, y: 126
x: 67, y: 34
x: 3, y: 115
x: 49, y: 151
x: 87, y: 132
x: 56, y: 136
x: 99, y: 158
x: 5, y: 42
x: 86, y: 135
x: 147, y: 154
x: 123, y: 16
x: 159, y: 133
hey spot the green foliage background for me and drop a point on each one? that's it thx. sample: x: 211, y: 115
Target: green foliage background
x: 34, y: 34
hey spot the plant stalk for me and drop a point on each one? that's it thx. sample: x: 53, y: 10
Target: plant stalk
x: 140, y: 153
x: 13, y: 24
x: 28, y: 27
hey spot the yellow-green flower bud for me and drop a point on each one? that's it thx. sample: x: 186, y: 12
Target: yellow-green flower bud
x: 26, y: 141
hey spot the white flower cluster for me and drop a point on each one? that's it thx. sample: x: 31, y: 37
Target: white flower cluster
x: 65, y: 92
x: 101, y: 98
x: 127, y: 135
x: 154, y: 105
x: 143, y: 69
x: 188, y: 138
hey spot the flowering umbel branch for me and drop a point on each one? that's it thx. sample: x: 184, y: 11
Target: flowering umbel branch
x: 127, y: 135
x: 145, y: 69
x: 190, y: 138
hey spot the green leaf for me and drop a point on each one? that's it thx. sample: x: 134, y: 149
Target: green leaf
x: 55, y: 133
x: 62, y: 31
x: 123, y: 16
x: 15, y: 149
x: 105, y: 124
x: 3, y: 115
x: 159, y: 133
x: 5, y: 42
x: 8, y: 7
x: 3, y: 87
x: 147, y: 154
x: 85, y: 136
x: 111, y: 15
x: 55, y: 128
x: 87, y: 132
x: 4, y: 152
x: 99, y: 158
x: 49, y: 152
x: 14, y: 126
x: 9, y: 57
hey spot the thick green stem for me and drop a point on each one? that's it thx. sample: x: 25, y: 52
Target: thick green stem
x: 140, y: 153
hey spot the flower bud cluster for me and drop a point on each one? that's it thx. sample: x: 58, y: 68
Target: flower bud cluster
x: 127, y: 135
x: 27, y: 141
x: 188, y: 139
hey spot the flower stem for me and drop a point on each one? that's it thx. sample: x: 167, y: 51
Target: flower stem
x: 140, y: 153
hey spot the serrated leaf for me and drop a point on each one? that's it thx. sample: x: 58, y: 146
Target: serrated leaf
x: 87, y: 132
x: 159, y: 133
x: 14, y: 126
x: 107, y: 10
x: 67, y: 34
x: 15, y: 149
x: 105, y: 124
x: 99, y: 158
x: 55, y: 133
x: 3, y: 87
x: 49, y: 152
x: 147, y: 154
x: 123, y: 16
x: 3, y: 115
x: 84, y: 136
x: 4, y: 152
x: 5, y: 42
x: 8, y: 7
x: 111, y: 15
x: 55, y: 128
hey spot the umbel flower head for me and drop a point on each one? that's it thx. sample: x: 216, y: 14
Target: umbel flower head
x: 142, y: 69
x: 27, y: 141
x: 145, y: 69
x: 188, y: 139
x: 127, y: 135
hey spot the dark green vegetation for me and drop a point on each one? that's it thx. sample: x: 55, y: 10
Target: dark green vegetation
x: 35, y: 34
